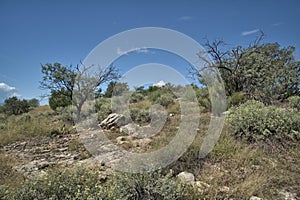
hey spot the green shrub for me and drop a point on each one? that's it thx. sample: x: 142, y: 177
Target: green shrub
x: 255, y: 121
x: 85, y: 184
x: 66, y: 114
x: 204, y: 103
x: 136, y: 97
x: 236, y: 99
x: 165, y: 100
x: 103, y: 108
x: 81, y: 184
x: 140, y: 115
x: 146, y: 186
x: 294, y: 102
x: 60, y: 98
x: 15, y: 106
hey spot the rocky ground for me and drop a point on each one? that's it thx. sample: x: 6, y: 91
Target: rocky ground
x: 89, y: 147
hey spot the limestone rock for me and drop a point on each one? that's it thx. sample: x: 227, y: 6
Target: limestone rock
x: 255, y: 198
x: 113, y: 120
x: 186, y: 177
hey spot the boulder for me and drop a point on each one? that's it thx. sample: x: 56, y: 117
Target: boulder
x: 186, y: 177
x: 113, y: 120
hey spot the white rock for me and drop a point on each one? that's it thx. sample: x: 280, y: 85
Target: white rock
x: 186, y: 177
x: 255, y: 198
x: 113, y: 120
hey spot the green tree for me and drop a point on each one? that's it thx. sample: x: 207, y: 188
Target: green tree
x: 33, y: 102
x: 140, y: 89
x: 61, y: 98
x: 265, y: 72
x: 116, y: 89
x: 15, y: 106
x: 75, y: 84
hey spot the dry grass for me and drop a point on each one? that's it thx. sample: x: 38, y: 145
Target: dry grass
x: 9, y: 176
x: 40, y: 121
x: 248, y: 170
x: 234, y: 169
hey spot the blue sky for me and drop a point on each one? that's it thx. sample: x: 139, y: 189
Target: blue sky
x: 38, y: 32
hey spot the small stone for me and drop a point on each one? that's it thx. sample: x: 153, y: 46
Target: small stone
x: 186, y: 177
x: 123, y: 140
x: 255, y: 198
x: 224, y: 189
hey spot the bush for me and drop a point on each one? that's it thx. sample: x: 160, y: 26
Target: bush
x: 236, y: 99
x: 103, y: 108
x: 140, y: 115
x: 60, y: 99
x: 33, y: 102
x: 146, y: 186
x: 294, y: 102
x: 66, y: 114
x: 165, y: 100
x: 255, y: 121
x: 85, y: 184
x: 204, y: 103
x: 136, y: 97
x: 154, y: 95
x: 15, y: 106
x: 81, y: 184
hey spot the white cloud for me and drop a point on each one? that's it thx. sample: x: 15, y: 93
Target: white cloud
x: 250, y: 32
x: 277, y: 24
x: 185, y: 18
x: 137, y: 50
x: 159, y: 84
x: 7, y: 91
x: 6, y: 87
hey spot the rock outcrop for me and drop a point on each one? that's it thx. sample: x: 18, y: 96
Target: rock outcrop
x: 37, y: 154
x: 113, y: 120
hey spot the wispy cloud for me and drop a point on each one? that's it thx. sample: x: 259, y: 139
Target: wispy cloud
x: 277, y: 24
x: 185, y: 18
x: 137, y: 50
x: 7, y: 91
x: 244, y: 33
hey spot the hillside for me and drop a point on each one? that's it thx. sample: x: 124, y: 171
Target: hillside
x: 43, y: 156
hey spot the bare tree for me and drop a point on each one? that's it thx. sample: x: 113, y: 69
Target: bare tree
x: 78, y: 84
